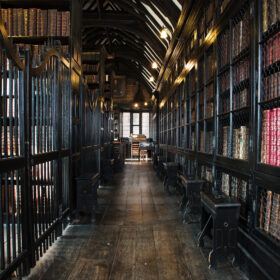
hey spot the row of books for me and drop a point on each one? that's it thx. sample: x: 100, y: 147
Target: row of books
x: 36, y: 22
x: 91, y: 67
x: 210, y: 91
x: 241, y: 71
x: 270, y: 13
x: 209, y: 66
x: 92, y: 79
x: 10, y: 142
x: 208, y: 174
x: 236, y: 189
x: 271, y: 86
x: 209, y: 110
x: 269, y: 213
x: 193, y: 140
x: 224, y: 47
x: 224, y: 82
x: 209, y: 142
x: 270, y: 137
x: 271, y: 50
x: 240, y: 143
x: 240, y: 34
x: 240, y: 99
x: 224, y: 104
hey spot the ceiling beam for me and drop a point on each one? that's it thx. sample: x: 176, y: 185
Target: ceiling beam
x: 140, y: 30
x: 92, y: 19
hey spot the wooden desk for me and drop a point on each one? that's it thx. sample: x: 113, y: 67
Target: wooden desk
x: 222, y: 214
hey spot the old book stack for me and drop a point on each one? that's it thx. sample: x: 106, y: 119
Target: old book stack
x: 201, y: 143
x: 209, y: 66
x: 209, y: 142
x: 270, y: 13
x: 240, y: 143
x: 240, y: 99
x: 269, y: 213
x: 209, y: 110
x: 271, y: 50
x: 225, y: 184
x: 36, y: 22
x: 241, y: 71
x: 271, y: 86
x: 193, y: 141
x: 226, y: 141
x: 238, y: 188
x: 224, y: 48
x: 270, y: 137
x: 240, y: 34
x: 209, y: 92
x: 92, y: 79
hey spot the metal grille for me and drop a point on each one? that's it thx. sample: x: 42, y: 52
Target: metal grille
x: 11, y: 230
x: 269, y: 213
x: 11, y: 192
x: 236, y: 188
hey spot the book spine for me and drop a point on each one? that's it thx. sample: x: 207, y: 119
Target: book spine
x: 265, y: 16
x: 25, y: 22
x: 267, y: 217
x: 38, y: 22
x: 44, y: 22
x: 20, y: 22
x: 10, y: 22
x: 59, y: 24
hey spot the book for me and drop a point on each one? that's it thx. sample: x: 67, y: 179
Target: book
x: 226, y: 141
x: 225, y: 184
x: 265, y: 15
x: 244, y: 143
x: 224, y: 48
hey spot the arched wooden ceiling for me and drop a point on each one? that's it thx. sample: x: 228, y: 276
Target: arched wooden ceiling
x: 130, y: 30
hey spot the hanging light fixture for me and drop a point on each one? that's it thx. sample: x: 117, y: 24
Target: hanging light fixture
x: 154, y: 65
x: 163, y: 33
x: 151, y: 79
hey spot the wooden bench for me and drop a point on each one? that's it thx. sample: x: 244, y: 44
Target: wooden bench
x: 87, y: 199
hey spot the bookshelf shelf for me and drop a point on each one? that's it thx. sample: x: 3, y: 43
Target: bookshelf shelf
x: 34, y: 40
x: 272, y: 30
x: 245, y: 128
x: 42, y: 4
x: 243, y: 54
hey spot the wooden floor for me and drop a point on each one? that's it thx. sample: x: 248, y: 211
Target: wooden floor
x: 139, y: 235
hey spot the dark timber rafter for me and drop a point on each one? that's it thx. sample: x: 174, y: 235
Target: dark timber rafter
x: 129, y: 30
x: 140, y: 31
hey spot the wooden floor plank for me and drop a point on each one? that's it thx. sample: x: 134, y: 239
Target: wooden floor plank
x: 124, y: 262
x: 171, y: 264
x: 146, y: 264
